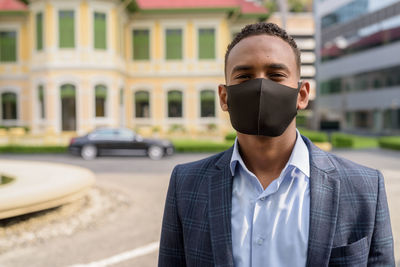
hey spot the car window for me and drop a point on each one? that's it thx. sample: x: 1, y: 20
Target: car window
x: 104, y: 134
x: 125, y: 134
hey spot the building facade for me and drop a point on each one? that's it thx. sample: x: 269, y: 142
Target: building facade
x: 358, y: 65
x: 301, y: 27
x: 72, y: 66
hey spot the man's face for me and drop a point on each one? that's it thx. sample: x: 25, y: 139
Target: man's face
x: 262, y: 56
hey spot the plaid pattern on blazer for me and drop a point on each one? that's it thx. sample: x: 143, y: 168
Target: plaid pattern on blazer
x: 349, y: 217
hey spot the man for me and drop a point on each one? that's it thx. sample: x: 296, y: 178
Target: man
x: 273, y: 199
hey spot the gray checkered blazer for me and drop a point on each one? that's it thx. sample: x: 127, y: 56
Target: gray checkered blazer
x: 349, y: 217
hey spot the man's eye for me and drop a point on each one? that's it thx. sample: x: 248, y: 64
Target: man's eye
x: 243, y: 76
x: 276, y: 75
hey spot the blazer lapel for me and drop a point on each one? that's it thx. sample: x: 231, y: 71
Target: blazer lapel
x: 324, y: 203
x: 220, y: 205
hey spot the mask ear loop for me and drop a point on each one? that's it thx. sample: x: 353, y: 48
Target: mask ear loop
x: 298, y: 90
x: 299, y: 85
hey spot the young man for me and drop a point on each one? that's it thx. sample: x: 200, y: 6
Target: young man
x: 273, y: 199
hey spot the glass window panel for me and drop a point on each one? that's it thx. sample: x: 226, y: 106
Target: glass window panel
x: 41, y: 101
x: 141, y: 44
x: 8, y: 46
x: 9, y: 106
x: 173, y: 49
x: 174, y: 104
x: 39, y: 31
x: 142, y: 104
x: 67, y: 91
x: 206, y: 44
x: 66, y: 29
x: 207, y: 103
x: 100, y: 100
x: 100, y: 31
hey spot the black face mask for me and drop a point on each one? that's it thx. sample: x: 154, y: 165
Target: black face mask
x: 262, y: 107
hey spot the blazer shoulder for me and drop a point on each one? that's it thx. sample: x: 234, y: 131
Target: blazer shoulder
x: 345, y: 164
x: 358, y: 177
x: 200, y: 168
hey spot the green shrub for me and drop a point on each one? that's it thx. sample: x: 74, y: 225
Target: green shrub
x: 314, y: 136
x: 230, y: 136
x: 301, y: 120
x: 200, y: 146
x: 342, y: 140
x: 26, y: 128
x: 176, y: 128
x: 5, y: 179
x: 33, y: 149
x: 390, y: 142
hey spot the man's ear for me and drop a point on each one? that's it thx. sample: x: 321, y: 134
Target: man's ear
x: 304, y: 94
x: 223, y: 97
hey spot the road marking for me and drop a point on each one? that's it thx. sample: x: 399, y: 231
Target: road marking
x: 137, y: 252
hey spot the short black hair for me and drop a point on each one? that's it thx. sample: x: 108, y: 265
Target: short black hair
x: 264, y: 28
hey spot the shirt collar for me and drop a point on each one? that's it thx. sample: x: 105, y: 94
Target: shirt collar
x: 299, y: 158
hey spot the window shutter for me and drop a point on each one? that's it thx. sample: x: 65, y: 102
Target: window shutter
x: 174, y: 44
x: 141, y: 45
x: 100, y: 33
x: 39, y: 31
x: 8, y: 46
x: 66, y: 29
x: 206, y: 44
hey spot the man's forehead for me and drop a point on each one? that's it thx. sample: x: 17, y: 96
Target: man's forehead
x: 268, y: 47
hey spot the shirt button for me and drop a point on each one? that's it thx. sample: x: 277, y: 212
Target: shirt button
x: 260, y: 241
x: 262, y: 199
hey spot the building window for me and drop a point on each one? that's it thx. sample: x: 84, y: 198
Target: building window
x: 207, y: 103
x: 121, y: 97
x: 100, y: 100
x: 41, y: 102
x: 175, y: 104
x: 141, y: 44
x: 173, y: 49
x: 206, y: 44
x: 142, y: 104
x: 8, y: 46
x: 39, y: 31
x: 9, y: 106
x: 66, y: 28
x: 100, y: 32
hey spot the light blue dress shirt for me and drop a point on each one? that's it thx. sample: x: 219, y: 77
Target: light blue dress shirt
x: 270, y: 227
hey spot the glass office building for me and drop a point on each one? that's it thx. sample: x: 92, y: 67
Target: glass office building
x: 358, y: 65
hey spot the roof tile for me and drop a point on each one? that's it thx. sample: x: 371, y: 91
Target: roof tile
x: 12, y: 5
x: 246, y: 6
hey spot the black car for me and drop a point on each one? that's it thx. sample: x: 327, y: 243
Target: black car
x: 118, y: 141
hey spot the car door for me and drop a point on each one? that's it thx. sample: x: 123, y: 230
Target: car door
x: 104, y: 140
x: 133, y: 144
x: 129, y: 143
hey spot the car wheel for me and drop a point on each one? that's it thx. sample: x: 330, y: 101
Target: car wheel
x: 88, y: 152
x: 155, y: 152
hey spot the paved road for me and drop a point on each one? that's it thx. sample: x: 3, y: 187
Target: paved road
x: 128, y: 165
x: 144, y: 183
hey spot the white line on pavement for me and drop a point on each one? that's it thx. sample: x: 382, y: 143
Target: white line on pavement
x: 137, y: 252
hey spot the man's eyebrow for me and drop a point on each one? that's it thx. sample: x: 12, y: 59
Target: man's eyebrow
x: 278, y: 66
x: 241, y: 68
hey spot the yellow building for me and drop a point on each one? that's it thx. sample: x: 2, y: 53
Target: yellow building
x: 155, y: 65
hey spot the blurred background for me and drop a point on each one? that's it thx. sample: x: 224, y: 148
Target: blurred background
x: 153, y: 67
